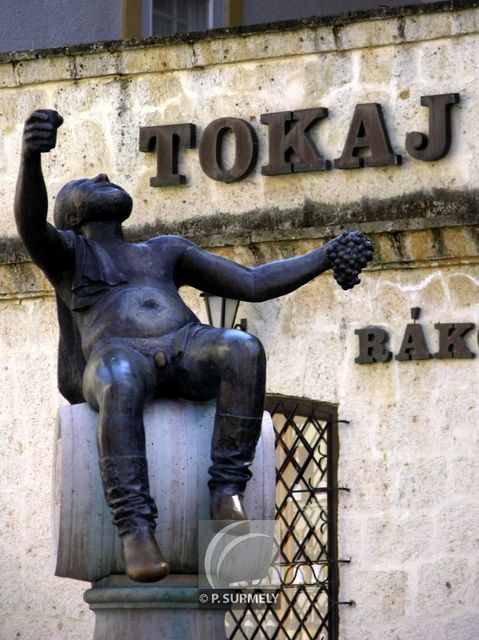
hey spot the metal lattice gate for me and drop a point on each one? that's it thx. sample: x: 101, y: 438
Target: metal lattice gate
x: 306, y: 512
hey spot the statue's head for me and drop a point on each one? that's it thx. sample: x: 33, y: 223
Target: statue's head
x: 89, y: 200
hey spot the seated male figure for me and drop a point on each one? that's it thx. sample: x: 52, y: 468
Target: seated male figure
x: 128, y: 337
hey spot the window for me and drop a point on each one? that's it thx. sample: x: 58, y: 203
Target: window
x: 176, y: 16
x: 306, y: 510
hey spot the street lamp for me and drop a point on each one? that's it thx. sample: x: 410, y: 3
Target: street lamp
x: 222, y: 312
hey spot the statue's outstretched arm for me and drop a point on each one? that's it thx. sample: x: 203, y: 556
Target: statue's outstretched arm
x: 347, y: 255
x: 42, y: 240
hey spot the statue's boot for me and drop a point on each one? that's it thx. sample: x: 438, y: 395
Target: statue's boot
x: 127, y: 493
x: 232, y: 452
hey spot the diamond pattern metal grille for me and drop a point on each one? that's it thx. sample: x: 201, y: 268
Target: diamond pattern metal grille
x: 306, y: 510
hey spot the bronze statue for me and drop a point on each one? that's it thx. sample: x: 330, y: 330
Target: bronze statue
x: 126, y: 336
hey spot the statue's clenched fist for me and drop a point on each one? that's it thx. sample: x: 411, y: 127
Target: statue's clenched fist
x: 40, y: 132
x: 348, y: 254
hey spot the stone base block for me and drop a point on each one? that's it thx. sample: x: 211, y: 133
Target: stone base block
x: 126, y: 610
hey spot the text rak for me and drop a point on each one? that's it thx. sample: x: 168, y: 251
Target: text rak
x: 451, y: 336
x: 291, y: 146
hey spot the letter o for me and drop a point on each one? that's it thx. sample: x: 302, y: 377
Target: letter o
x: 211, y: 144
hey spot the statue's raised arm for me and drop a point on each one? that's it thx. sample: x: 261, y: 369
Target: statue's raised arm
x: 41, y: 239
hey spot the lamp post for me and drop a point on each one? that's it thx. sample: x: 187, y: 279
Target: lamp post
x: 222, y: 312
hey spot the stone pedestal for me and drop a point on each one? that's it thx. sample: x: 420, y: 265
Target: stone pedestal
x: 178, y: 439
x: 86, y: 544
x: 125, y: 610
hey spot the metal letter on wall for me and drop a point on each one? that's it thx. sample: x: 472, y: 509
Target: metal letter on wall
x: 421, y: 147
x: 210, y: 149
x: 372, y: 345
x: 451, y: 340
x: 291, y: 148
x: 367, y: 131
x: 168, y: 140
x: 414, y: 345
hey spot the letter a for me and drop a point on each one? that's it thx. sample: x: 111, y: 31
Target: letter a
x: 414, y: 346
x: 367, y: 131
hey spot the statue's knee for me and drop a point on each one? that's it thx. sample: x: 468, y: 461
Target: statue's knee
x: 254, y: 349
x: 122, y: 390
x: 241, y: 348
x: 112, y: 380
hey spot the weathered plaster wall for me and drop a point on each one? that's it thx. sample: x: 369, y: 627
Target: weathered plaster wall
x: 33, y: 604
x: 409, y: 455
x: 410, y: 523
x: 106, y: 95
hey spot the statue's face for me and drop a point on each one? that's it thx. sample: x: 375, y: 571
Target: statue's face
x: 91, y: 199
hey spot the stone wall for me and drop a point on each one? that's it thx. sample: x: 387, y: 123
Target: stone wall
x: 107, y: 92
x: 408, y: 455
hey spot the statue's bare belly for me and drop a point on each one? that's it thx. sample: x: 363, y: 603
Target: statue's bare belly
x: 134, y: 311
